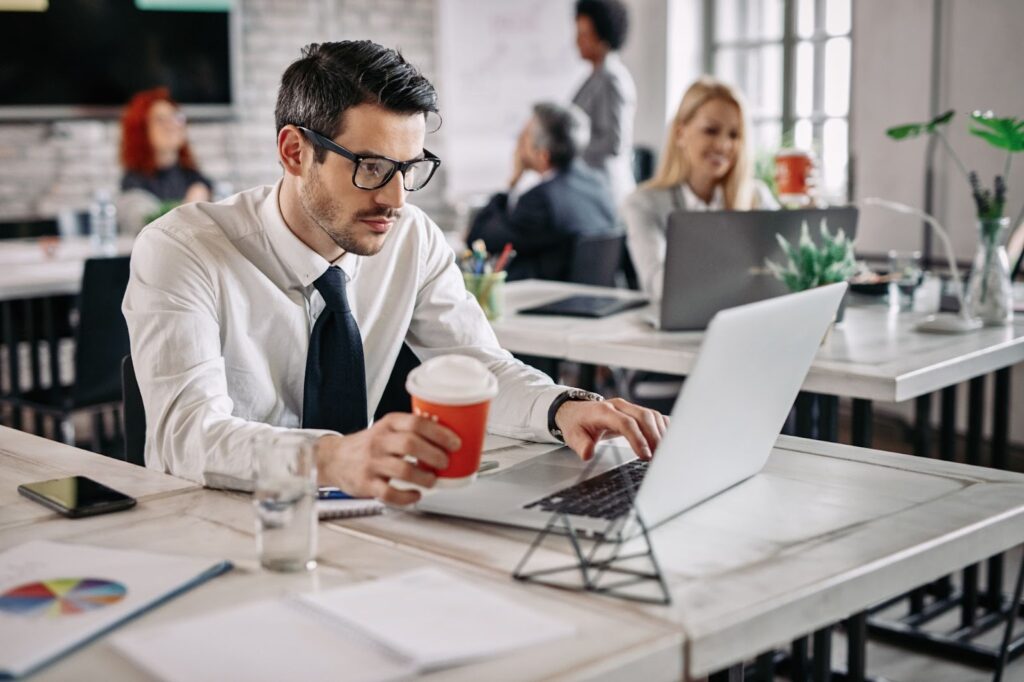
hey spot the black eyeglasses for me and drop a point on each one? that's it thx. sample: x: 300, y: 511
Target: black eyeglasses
x: 373, y: 172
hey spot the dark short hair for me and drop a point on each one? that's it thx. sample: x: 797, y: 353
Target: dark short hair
x: 330, y: 78
x: 610, y: 19
x: 562, y: 130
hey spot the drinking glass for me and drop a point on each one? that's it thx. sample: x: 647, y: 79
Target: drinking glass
x: 905, y: 266
x: 285, y: 487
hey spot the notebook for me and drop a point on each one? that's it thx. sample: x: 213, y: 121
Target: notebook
x: 55, y: 597
x: 343, y: 509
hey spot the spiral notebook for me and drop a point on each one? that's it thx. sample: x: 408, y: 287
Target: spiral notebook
x: 343, y: 509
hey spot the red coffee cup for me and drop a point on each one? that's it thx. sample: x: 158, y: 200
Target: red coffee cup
x: 455, y: 391
x: 792, y: 172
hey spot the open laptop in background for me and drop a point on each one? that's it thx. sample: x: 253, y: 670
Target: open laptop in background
x: 729, y: 413
x: 716, y: 260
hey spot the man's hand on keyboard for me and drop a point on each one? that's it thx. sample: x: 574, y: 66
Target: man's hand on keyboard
x: 584, y: 423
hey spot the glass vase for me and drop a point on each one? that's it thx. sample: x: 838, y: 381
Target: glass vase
x: 989, y: 292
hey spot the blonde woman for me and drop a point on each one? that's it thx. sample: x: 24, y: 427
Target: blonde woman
x: 705, y: 166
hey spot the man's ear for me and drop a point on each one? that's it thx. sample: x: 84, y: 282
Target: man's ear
x: 544, y: 156
x: 290, y: 143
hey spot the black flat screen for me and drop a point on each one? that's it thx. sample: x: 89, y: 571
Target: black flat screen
x: 98, y: 53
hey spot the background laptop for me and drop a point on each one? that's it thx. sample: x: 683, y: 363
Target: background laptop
x: 716, y: 260
x: 751, y: 365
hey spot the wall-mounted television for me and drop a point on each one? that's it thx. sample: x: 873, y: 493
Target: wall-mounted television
x: 86, y: 58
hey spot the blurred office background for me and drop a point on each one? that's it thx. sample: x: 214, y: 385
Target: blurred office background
x: 828, y: 75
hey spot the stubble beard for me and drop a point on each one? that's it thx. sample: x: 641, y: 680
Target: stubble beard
x: 329, y: 217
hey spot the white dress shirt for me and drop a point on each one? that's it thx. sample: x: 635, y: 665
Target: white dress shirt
x: 220, y: 305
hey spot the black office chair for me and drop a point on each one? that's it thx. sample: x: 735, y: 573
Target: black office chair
x: 101, y: 341
x: 28, y: 228
x: 133, y: 413
x: 643, y: 163
x: 395, y: 399
x: 597, y: 259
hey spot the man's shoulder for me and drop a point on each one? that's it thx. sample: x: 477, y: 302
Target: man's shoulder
x: 205, y: 222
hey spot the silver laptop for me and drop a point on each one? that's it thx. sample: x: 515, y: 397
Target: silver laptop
x: 716, y: 260
x: 729, y: 413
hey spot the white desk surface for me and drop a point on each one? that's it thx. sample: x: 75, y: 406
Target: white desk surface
x: 824, y: 532
x: 609, y: 644
x: 874, y: 354
x: 27, y: 271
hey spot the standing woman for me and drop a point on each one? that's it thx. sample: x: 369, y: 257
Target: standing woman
x: 608, y: 96
x: 705, y: 166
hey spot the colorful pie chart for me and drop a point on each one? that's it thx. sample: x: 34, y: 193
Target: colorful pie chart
x: 61, y: 597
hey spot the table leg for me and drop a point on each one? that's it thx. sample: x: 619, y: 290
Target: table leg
x: 13, y: 373
x: 587, y: 377
x: 798, y: 660
x: 861, y: 423
x: 764, y: 667
x: 947, y: 430
x: 1000, y: 434
x: 828, y: 418
x: 922, y: 425
x: 975, y: 417
x: 805, y: 415
x: 857, y: 643
x: 1004, y: 650
x: 822, y: 661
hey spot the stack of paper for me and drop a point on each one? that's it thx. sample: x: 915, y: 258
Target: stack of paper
x: 377, y: 631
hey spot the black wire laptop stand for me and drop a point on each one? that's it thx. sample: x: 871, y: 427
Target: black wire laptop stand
x: 601, y: 568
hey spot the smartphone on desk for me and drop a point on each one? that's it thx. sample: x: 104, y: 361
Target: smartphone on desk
x: 76, y: 496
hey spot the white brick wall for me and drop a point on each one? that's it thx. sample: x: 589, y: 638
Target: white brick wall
x: 46, y: 167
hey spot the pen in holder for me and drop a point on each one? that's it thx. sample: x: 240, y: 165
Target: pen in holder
x: 489, y: 291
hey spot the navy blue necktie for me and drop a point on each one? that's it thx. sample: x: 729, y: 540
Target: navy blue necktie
x: 335, y: 392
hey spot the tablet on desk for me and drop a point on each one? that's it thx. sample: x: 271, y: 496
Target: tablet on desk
x: 585, y: 306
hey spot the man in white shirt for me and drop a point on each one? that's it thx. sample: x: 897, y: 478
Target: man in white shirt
x: 225, y: 300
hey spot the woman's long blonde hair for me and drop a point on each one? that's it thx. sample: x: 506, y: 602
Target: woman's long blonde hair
x: 738, y: 184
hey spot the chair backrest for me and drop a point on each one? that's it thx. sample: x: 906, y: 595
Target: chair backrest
x: 596, y: 259
x: 101, y: 339
x: 134, y: 415
x: 28, y: 228
x: 643, y: 163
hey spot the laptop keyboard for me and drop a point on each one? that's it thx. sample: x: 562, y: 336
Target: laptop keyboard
x: 606, y: 496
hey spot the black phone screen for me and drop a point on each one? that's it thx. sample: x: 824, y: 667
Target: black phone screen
x: 77, y: 494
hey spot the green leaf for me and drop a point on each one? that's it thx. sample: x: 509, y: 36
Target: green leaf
x: 1002, y: 133
x: 908, y: 130
x: 940, y: 120
x: 904, y: 131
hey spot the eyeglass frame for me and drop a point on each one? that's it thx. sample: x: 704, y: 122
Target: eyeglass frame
x: 324, y: 142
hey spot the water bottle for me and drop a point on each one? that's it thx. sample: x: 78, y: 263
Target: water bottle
x: 103, y: 221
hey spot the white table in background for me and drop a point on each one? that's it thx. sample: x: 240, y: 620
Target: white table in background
x: 27, y: 270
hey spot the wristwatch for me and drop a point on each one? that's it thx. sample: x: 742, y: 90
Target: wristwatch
x: 571, y: 394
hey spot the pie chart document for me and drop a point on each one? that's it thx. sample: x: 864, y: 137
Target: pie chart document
x: 56, y: 596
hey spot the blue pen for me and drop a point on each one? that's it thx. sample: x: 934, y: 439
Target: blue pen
x: 332, y: 493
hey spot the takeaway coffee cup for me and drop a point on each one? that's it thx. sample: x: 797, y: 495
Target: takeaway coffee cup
x: 455, y: 391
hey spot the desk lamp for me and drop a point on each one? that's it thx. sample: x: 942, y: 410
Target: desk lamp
x: 942, y: 323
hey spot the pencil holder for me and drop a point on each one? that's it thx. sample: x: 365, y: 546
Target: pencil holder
x: 489, y: 291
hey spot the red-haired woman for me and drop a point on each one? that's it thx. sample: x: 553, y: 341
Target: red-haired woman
x: 155, y: 152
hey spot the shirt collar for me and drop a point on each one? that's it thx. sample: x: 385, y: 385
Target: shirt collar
x: 304, y: 264
x: 695, y: 203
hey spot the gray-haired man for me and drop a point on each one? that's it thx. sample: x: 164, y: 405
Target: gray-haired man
x: 571, y: 200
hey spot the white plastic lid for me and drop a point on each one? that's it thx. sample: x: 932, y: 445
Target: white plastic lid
x: 452, y: 380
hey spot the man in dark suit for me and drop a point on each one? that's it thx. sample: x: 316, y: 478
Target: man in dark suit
x: 571, y: 200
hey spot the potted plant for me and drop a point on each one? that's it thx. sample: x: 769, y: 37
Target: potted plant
x: 989, y: 292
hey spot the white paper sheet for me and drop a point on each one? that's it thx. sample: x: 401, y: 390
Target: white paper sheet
x: 437, y: 619
x: 269, y: 640
x: 71, y: 593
